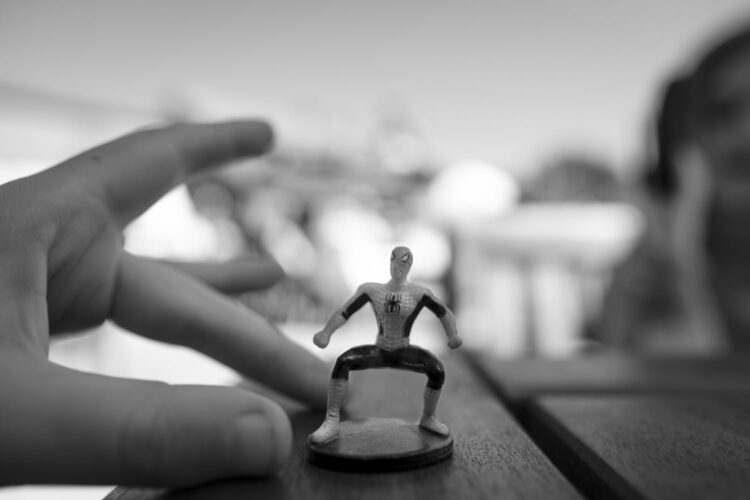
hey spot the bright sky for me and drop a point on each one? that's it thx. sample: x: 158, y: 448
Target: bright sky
x: 509, y: 81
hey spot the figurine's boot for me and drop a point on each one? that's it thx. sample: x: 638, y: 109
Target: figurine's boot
x: 329, y: 430
x: 429, y: 417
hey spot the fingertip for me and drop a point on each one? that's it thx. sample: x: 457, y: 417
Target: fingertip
x: 276, y: 273
x: 257, y: 274
x: 264, y: 439
x: 185, y: 435
x: 281, y: 427
x: 258, y: 136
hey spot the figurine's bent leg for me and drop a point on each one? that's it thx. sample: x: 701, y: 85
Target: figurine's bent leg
x: 415, y: 358
x: 429, y: 418
x: 357, y: 358
x: 329, y: 429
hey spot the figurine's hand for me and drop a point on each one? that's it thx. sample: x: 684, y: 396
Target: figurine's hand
x: 63, y: 268
x: 455, y: 342
x: 321, y: 339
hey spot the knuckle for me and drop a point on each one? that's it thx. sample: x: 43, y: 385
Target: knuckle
x: 86, y: 215
x: 143, y: 438
x: 152, y: 443
x: 22, y: 221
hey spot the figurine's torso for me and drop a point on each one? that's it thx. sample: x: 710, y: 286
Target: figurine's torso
x: 396, y: 306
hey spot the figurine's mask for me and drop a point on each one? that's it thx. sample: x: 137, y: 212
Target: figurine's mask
x: 401, y: 260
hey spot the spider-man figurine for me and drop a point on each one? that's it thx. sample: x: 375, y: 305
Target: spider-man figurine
x: 396, y: 305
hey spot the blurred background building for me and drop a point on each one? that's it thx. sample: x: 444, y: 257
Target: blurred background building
x: 499, y: 140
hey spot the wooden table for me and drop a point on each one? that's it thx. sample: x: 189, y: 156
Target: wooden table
x: 493, y: 457
x: 655, y: 447
x: 596, y: 427
x: 635, y: 427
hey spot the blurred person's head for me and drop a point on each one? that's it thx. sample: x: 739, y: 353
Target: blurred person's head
x: 401, y: 261
x: 721, y: 104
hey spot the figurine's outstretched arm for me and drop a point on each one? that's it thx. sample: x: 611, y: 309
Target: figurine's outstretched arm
x: 446, y: 316
x: 359, y: 299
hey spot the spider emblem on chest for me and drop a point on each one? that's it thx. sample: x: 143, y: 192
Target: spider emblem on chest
x: 392, y: 304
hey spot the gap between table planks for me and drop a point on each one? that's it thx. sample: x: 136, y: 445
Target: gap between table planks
x: 517, y: 381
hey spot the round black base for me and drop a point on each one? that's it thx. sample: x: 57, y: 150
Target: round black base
x: 380, y: 445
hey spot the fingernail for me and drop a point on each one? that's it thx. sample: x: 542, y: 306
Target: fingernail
x: 264, y: 441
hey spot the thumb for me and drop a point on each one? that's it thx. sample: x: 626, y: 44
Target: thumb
x: 103, y: 430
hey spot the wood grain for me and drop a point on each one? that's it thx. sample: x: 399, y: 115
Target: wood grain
x: 654, y: 447
x: 493, y: 457
x: 519, y: 380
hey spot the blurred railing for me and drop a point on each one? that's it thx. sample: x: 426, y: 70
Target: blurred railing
x: 532, y: 281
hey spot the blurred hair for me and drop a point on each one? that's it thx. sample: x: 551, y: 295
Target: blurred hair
x: 672, y: 130
x: 681, y: 108
x: 712, y: 61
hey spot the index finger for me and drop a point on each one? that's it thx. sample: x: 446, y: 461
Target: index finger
x: 163, y: 304
x: 134, y: 171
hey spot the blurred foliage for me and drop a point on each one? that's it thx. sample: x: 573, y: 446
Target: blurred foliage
x: 573, y: 178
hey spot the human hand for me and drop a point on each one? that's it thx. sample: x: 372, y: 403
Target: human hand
x: 63, y: 268
x: 455, y: 342
x: 321, y: 339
